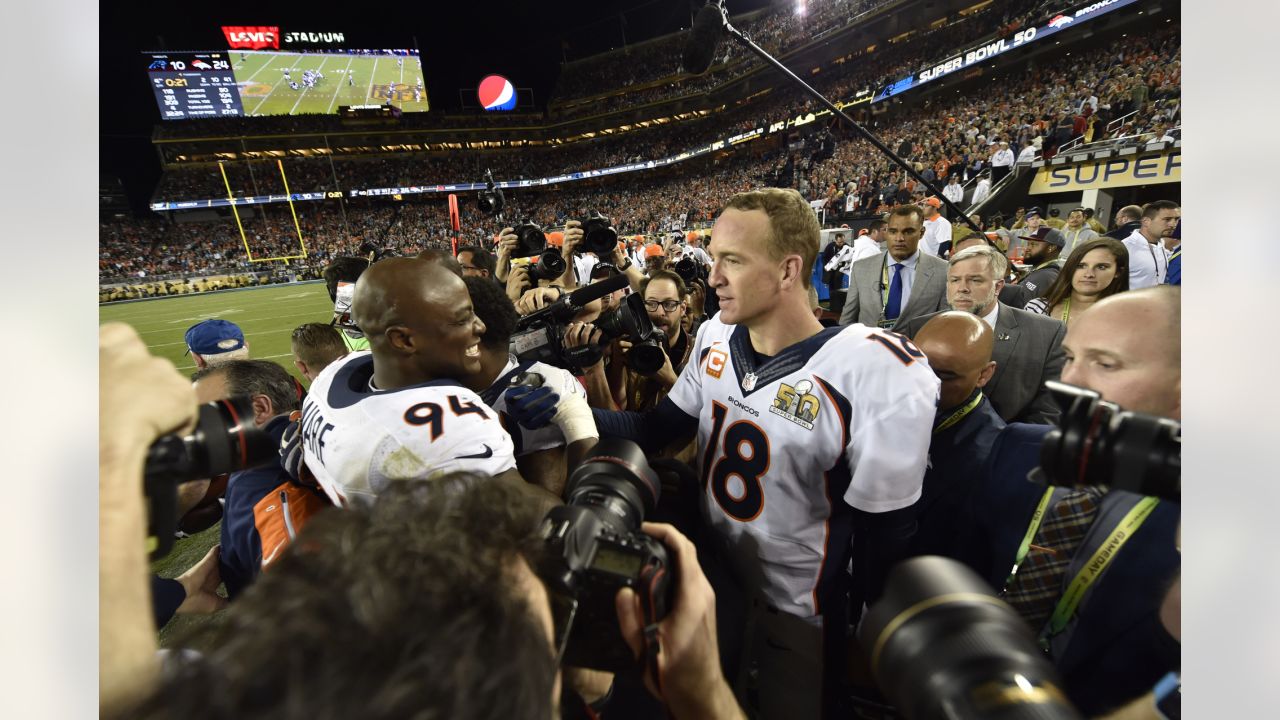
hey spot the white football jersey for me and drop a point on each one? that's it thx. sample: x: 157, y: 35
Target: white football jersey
x: 356, y: 439
x: 561, y: 381
x: 784, y: 448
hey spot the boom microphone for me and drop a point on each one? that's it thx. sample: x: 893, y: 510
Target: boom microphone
x: 704, y: 36
x: 596, y: 290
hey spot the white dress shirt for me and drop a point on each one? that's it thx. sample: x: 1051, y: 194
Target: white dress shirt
x: 991, y: 316
x: 908, y: 277
x: 1148, y: 263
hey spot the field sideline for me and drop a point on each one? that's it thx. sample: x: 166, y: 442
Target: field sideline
x: 267, y: 316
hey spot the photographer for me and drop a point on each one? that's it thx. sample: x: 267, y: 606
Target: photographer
x: 271, y: 389
x: 141, y: 397
x: 460, y: 612
x: 664, y: 299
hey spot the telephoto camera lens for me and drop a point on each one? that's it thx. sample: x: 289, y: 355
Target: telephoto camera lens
x: 225, y: 440
x: 550, y: 265
x: 943, y: 647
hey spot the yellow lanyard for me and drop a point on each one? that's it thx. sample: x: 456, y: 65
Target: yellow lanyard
x: 960, y: 414
x: 1066, y: 310
x: 1034, y: 527
x: 1100, y: 561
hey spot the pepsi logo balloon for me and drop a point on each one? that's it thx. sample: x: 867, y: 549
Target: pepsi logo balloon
x: 497, y: 93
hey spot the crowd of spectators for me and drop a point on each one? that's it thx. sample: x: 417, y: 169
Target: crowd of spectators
x: 1141, y: 74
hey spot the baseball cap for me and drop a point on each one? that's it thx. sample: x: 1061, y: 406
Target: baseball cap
x: 1048, y: 235
x: 1034, y: 211
x: 862, y: 232
x: 933, y: 200
x: 210, y: 337
x: 652, y: 250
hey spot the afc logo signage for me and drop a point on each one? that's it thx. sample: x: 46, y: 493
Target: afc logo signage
x: 1113, y: 172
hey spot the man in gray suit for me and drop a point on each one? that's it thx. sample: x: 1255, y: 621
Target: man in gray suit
x: 1028, y: 347
x: 892, y: 287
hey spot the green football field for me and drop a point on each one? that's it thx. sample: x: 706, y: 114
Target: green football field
x: 265, y: 91
x: 267, y: 316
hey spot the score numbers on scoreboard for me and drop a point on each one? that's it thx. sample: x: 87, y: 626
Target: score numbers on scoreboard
x: 193, y: 85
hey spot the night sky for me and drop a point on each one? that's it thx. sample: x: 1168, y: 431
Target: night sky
x: 460, y: 44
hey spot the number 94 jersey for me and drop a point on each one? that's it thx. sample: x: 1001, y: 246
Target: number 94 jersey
x: 356, y: 439
x: 786, y: 445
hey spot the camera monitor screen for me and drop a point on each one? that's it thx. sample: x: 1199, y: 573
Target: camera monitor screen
x: 255, y: 82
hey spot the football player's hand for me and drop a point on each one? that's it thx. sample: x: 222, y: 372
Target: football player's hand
x: 690, y: 681
x: 533, y: 408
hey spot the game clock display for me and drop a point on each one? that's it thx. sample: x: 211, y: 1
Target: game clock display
x: 194, y: 85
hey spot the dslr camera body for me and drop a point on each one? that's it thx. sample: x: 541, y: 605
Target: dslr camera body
x: 594, y: 547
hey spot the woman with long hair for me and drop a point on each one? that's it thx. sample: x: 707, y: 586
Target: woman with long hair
x: 1095, y: 269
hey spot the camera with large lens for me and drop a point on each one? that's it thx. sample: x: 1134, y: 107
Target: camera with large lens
x: 594, y: 547
x: 690, y: 270
x: 944, y: 647
x: 1097, y: 443
x: 598, y: 236
x: 225, y: 440
x: 630, y: 320
x: 531, y: 240
x: 490, y: 199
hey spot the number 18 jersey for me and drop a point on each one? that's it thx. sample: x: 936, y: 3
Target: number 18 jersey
x: 786, y: 445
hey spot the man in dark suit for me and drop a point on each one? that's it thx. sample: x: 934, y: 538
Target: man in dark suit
x: 1028, y: 347
x: 902, y: 283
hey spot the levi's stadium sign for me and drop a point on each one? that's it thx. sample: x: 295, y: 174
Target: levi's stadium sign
x: 258, y: 37
x: 252, y: 37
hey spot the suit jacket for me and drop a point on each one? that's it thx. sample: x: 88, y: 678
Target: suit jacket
x: 1027, y: 351
x: 863, y: 302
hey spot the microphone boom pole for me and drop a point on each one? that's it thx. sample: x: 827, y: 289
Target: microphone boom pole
x: 861, y: 131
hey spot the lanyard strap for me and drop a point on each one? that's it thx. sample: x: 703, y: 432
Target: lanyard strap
x: 1032, y: 529
x: 1096, y: 565
x: 1066, y: 310
x: 884, y: 284
x: 960, y: 414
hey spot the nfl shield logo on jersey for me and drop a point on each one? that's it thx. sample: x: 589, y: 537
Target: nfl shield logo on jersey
x: 797, y: 404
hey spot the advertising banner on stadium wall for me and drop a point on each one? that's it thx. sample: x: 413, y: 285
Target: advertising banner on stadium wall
x: 1152, y: 169
x: 986, y: 51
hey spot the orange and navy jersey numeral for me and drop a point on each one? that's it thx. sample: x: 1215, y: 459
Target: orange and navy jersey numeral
x: 749, y: 467
x: 431, y: 414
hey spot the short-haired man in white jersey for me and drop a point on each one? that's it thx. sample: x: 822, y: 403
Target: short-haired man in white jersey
x: 396, y: 412
x: 812, y: 446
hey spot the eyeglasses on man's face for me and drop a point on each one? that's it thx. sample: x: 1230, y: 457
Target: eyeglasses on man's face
x: 667, y: 305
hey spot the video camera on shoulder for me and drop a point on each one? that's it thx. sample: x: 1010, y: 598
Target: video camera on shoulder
x: 1097, y: 443
x: 594, y: 547
x: 225, y: 440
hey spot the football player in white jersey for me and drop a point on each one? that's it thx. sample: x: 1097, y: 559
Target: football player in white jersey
x: 395, y: 413
x: 812, y: 446
x: 543, y: 454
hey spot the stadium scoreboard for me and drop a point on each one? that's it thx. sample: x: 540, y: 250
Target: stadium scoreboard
x: 194, y: 85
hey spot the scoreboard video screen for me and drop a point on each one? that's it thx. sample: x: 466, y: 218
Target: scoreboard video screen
x: 239, y: 83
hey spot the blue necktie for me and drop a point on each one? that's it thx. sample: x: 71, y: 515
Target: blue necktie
x: 893, y: 308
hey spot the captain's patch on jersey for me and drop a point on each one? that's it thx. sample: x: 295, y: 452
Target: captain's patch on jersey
x: 716, y: 361
x: 797, y: 404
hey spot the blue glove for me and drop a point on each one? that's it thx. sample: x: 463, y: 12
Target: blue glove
x: 531, y: 407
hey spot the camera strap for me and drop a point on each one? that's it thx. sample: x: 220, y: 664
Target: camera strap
x: 1096, y: 565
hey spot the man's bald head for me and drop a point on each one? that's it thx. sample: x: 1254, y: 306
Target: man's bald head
x: 419, y: 319
x: 958, y: 345
x: 1128, y: 348
x: 442, y: 257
